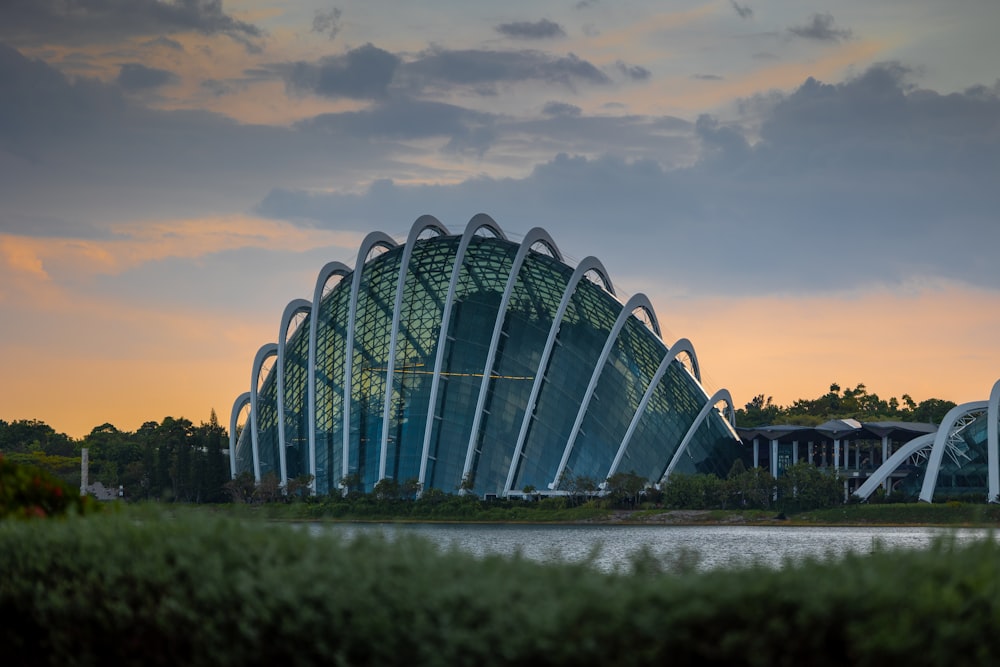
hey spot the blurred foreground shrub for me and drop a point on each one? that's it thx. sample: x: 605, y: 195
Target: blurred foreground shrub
x: 131, y: 589
x: 30, y: 492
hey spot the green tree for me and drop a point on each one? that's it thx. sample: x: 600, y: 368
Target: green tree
x: 624, y: 488
x: 803, y: 486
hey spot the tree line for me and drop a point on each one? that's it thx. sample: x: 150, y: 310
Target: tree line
x: 850, y: 403
x: 176, y: 460
x: 172, y: 460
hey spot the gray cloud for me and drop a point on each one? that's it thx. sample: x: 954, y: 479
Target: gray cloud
x: 86, y: 21
x: 165, y: 42
x: 327, y: 23
x: 439, y: 68
x: 820, y: 27
x: 744, y: 11
x: 634, y: 72
x: 561, y: 109
x: 361, y: 73
x: 585, y: 4
x: 707, y: 77
x: 135, y: 77
x: 543, y: 29
x: 405, y: 119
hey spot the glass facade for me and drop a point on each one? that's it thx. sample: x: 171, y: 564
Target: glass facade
x: 399, y: 426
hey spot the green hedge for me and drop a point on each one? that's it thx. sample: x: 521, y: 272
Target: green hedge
x: 131, y: 589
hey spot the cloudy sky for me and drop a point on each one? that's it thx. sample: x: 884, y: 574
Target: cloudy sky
x: 809, y: 191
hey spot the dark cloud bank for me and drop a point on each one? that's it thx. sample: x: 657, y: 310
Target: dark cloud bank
x: 870, y: 180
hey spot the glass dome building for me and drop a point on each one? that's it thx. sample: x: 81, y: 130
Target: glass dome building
x: 472, y: 362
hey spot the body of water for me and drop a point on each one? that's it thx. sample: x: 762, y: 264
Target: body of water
x: 612, y: 547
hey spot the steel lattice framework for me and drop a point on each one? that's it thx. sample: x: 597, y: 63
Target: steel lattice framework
x: 474, y: 362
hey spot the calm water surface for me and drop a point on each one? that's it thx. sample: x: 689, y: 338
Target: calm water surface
x: 611, y: 547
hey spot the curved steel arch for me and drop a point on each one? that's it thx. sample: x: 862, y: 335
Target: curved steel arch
x: 940, y: 441
x: 329, y: 270
x: 294, y: 307
x: 586, y: 265
x: 478, y: 221
x: 241, y: 402
x: 422, y: 224
x: 371, y: 241
x: 534, y: 236
x: 682, y: 345
x: 648, y: 309
x: 637, y: 301
x: 720, y: 395
x: 993, y: 442
x: 897, y: 459
x: 265, y: 351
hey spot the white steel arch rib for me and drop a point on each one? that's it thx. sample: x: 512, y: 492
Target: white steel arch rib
x: 479, y: 221
x: 422, y: 224
x: 294, y: 307
x: 265, y: 351
x: 682, y: 345
x: 637, y: 301
x: 534, y: 236
x: 241, y: 402
x: 720, y: 395
x: 897, y: 459
x: 587, y: 265
x: 329, y: 270
x: 371, y: 241
x: 993, y: 442
x: 941, y: 441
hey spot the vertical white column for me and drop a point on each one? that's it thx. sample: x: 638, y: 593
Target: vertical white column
x: 836, y: 455
x: 795, y: 451
x: 774, y: 459
x: 756, y: 453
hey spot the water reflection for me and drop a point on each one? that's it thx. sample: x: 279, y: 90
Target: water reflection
x: 611, y: 547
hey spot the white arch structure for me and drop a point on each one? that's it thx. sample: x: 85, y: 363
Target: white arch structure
x: 423, y: 223
x: 941, y: 442
x: 293, y: 308
x: 993, y: 443
x: 265, y: 351
x: 535, y: 236
x: 587, y: 265
x: 242, y: 401
x: 720, y: 395
x: 898, y: 458
x: 944, y: 441
x: 536, y: 240
x: 328, y: 271
x: 478, y: 222
x: 682, y: 345
x: 372, y: 241
x: 637, y: 301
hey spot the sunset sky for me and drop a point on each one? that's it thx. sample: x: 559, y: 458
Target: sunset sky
x: 809, y: 191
